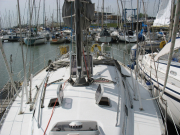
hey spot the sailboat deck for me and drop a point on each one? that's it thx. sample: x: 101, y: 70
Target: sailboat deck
x: 79, y: 104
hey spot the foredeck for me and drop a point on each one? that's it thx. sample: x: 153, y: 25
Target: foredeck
x: 79, y: 104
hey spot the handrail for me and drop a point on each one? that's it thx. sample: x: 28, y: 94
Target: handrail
x: 39, y: 106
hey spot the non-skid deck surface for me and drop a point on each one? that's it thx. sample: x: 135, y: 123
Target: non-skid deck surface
x: 79, y: 104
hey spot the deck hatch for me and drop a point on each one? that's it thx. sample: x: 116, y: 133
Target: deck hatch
x: 52, y: 102
x: 99, y: 93
x: 104, y: 101
x: 86, y: 127
x: 100, y: 100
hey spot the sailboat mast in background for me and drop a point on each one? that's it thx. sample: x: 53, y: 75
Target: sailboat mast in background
x: 102, y: 14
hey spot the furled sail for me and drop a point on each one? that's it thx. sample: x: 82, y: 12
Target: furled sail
x: 87, y: 12
x: 163, y: 16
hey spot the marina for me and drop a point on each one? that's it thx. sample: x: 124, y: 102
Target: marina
x: 41, y: 52
x: 85, y: 69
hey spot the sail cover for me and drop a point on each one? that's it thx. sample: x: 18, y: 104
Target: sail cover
x: 163, y: 16
x: 87, y: 13
x: 166, y: 49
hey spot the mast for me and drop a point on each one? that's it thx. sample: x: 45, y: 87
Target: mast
x: 106, y: 16
x: 24, y: 66
x: 27, y: 15
x: 117, y: 13
x: 9, y: 20
x: 43, y: 14
x: 137, y: 55
x: 35, y: 14
x: 45, y: 21
x: 60, y: 13
x: 171, y: 19
x: 52, y: 23
x: 0, y: 22
x: 80, y: 80
x: 98, y: 13
x: 17, y: 16
x: 102, y: 14
x: 57, y: 11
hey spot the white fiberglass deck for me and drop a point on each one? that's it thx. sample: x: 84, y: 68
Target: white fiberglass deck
x: 79, y: 104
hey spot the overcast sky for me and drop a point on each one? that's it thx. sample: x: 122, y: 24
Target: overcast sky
x: 9, y: 6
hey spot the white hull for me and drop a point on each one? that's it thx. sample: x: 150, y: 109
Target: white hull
x: 5, y: 37
x: 153, y: 36
x: 41, y: 41
x: 172, y: 91
x: 115, y: 35
x: 57, y: 41
x: 130, y: 39
x: 146, y: 48
x: 104, y: 39
x: 35, y: 41
x: 2, y: 39
x: 94, y: 31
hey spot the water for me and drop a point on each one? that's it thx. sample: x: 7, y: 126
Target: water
x: 41, y: 54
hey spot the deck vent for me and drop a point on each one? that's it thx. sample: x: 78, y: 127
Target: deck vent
x: 52, y: 102
x: 75, y: 124
x: 75, y: 127
x: 104, y: 101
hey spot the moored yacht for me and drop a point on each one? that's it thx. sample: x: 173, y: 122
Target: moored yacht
x: 115, y: 35
x: 34, y: 39
x: 103, y: 37
x: 153, y: 67
x: 146, y: 47
x: 1, y: 37
x: 128, y: 36
x: 57, y: 38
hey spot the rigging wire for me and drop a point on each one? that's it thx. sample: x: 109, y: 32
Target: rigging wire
x: 38, y: 11
x: 85, y: 64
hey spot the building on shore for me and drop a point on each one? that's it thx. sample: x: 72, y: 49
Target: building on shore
x: 107, y: 17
